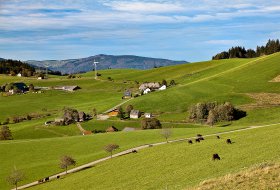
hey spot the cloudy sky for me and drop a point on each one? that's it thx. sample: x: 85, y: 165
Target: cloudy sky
x: 191, y: 30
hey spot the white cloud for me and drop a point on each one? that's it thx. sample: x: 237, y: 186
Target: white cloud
x: 145, y: 7
x: 224, y: 42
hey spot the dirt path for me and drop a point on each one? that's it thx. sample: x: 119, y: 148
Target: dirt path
x: 118, y: 105
x: 88, y: 165
x: 83, y: 131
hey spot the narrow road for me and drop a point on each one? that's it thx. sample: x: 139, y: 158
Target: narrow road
x: 88, y: 165
x: 117, y: 105
x: 83, y: 131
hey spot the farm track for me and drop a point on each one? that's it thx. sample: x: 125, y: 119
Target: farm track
x: 91, y: 164
x: 228, y: 71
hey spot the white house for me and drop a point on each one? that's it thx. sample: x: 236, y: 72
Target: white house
x: 135, y: 114
x: 163, y: 87
x: 150, y: 85
x: 146, y: 91
x: 148, y: 115
x: 19, y: 75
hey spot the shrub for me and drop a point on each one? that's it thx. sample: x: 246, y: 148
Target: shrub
x: 5, y: 133
x: 150, y: 123
x: 213, y: 112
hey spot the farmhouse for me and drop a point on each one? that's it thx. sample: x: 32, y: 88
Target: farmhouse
x: 163, y: 87
x: 113, y: 112
x: 19, y: 75
x: 18, y: 87
x: 67, y: 88
x: 127, y: 94
x: 135, y: 114
x: 150, y: 85
x: 146, y: 91
x: 148, y: 115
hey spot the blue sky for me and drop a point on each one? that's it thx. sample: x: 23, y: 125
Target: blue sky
x: 191, y: 30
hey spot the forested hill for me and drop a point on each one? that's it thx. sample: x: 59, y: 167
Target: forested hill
x: 105, y: 62
x: 13, y: 67
x: 272, y: 46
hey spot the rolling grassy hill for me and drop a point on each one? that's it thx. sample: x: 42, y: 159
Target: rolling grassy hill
x: 37, y: 148
x: 177, y: 165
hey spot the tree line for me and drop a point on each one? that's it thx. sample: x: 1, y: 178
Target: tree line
x: 272, y: 46
x: 13, y: 67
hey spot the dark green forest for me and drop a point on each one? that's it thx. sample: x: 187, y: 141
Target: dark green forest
x: 272, y: 46
x: 13, y: 67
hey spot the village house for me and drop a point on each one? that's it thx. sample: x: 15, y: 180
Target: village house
x: 67, y: 88
x: 127, y: 94
x: 150, y: 85
x: 146, y: 91
x: 19, y: 75
x: 113, y: 112
x: 135, y: 114
x: 163, y: 87
x: 148, y: 115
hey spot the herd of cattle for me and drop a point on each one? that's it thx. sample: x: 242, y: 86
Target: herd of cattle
x: 200, y: 138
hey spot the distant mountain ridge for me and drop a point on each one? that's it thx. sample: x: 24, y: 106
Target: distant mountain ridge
x: 105, y: 62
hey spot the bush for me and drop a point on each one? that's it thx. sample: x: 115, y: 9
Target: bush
x: 213, y: 112
x: 150, y: 123
x: 5, y: 133
x: 70, y: 116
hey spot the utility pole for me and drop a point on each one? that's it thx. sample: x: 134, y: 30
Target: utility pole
x: 95, y: 62
x: 47, y: 71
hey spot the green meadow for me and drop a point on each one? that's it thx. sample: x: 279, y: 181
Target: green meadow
x: 36, y: 148
x: 177, y: 165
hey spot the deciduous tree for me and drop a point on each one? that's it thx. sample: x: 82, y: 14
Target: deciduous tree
x: 15, y: 177
x: 66, y: 161
x: 5, y: 133
x: 110, y: 148
x: 166, y: 133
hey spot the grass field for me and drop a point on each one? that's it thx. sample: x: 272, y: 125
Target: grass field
x: 37, y: 148
x: 177, y: 165
x: 261, y: 176
x: 39, y: 157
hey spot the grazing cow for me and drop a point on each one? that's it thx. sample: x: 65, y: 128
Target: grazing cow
x: 134, y: 151
x: 57, y: 177
x: 200, y: 137
x: 218, y: 137
x: 229, y: 141
x: 197, y: 140
x: 216, y: 157
x: 150, y: 145
x: 190, y: 141
x: 47, y: 179
x: 40, y: 181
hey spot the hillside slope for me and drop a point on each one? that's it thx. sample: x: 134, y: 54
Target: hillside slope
x: 262, y: 176
x: 176, y: 165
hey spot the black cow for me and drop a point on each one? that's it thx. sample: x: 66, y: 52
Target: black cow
x: 47, y: 179
x: 197, y: 140
x: 40, y: 181
x: 57, y: 177
x: 200, y: 137
x: 216, y: 157
x: 218, y: 137
x: 190, y: 141
x: 228, y: 141
x: 134, y: 151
